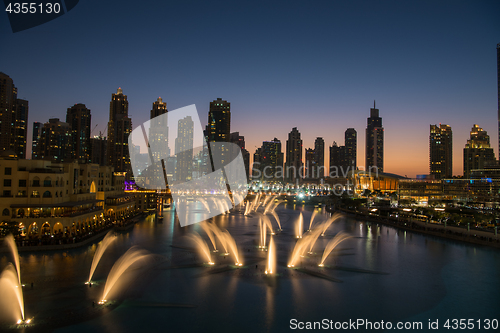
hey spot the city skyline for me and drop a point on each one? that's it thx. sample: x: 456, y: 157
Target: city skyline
x: 323, y: 87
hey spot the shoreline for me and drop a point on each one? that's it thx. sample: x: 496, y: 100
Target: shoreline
x: 428, y: 230
x: 127, y: 225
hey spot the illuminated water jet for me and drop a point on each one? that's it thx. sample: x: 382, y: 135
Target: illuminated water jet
x: 271, y: 258
x: 208, y: 230
x: 340, y: 237
x: 12, y: 301
x: 312, y: 218
x: 11, y: 244
x: 107, y: 240
x: 132, y: 256
x: 232, y: 246
x: 201, y: 246
x: 263, y: 233
x: 275, y: 215
x: 328, y: 222
x: 299, y: 226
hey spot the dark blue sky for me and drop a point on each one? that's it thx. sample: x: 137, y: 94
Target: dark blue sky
x: 315, y: 65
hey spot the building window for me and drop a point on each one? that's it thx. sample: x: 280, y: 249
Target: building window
x: 47, y: 194
x: 5, y: 212
x: 35, y: 194
x: 7, y: 182
x: 8, y: 171
x: 22, y: 182
x: 6, y: 193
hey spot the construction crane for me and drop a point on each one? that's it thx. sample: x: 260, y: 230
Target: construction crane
x: 93, y: 129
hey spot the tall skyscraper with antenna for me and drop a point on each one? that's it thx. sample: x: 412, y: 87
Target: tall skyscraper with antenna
x: 374, y: 141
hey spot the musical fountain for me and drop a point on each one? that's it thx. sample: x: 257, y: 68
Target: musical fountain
x: 313, y: 215
x: 122, y: 265
x: 299, y: 226
x: 271, y: 258
x: 340, y: 237
x: 11, y: 289
x: 107, y: 240
x: 202, y: 246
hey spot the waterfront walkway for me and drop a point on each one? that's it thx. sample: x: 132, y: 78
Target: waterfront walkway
x: 480, y: 237
x: 64, y: 243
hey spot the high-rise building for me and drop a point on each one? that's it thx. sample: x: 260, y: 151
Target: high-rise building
x: 219, y: 121
x: 239, y: 140
x: 184, y: 149
x: 441, y: 151
x: 56, y: 142
x: 119, y: 128
x: 319, y: 158
x: 98, y: 144
x: 338, y: 163
x: 257, y: 163
x: 477, y: 151
x: 158, y: 130
x: 78, y: 117
x: 37, y: 133
x: 351, y: 150
x: 271, y: 160
x: 293, y: 166
x: 310, y: 166
x: 13, y: 119
x: 374, y: 141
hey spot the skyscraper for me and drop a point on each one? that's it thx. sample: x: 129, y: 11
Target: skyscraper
x: 13, y: 118
x: 477, y: 151
x: 293, y: 166
x: 158, y: 130
x: 374, y: 141
x: 441, y: 151
x: 56, y: 142
x: 351, y: 150
x: 319, y: 158
x: 35, y: 139
x: 257, y: 163
x: 219, y: 121
x: 271, y: 160
x: 78, y: 117
x: 239, y: 140
x: 338, y: 164
x: 184, y: 149
x: 119, y: 128
x: 99, y: 145
x: 310, y: 166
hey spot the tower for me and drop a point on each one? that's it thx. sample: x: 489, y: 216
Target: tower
x: 441, y: 151
x: 119, y: 128
x: 319, y: 158
x: 219, y: 121
x: 374, y: 141
x: 293, y: 165
x: 13, y: 118
x: 79, y: 119
x: 477, y: 151
x: 37, y: 132
x: 351, y: 144
x: 158, y: 130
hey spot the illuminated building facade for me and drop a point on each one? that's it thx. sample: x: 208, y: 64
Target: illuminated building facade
x: 441, y: 151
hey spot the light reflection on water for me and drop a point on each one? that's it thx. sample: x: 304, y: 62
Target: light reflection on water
x: 426, y: 277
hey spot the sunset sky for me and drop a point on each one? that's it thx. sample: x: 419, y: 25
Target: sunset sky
x: 314, y: 65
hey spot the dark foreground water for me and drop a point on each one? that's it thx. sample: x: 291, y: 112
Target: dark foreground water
x: 384, y: 274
